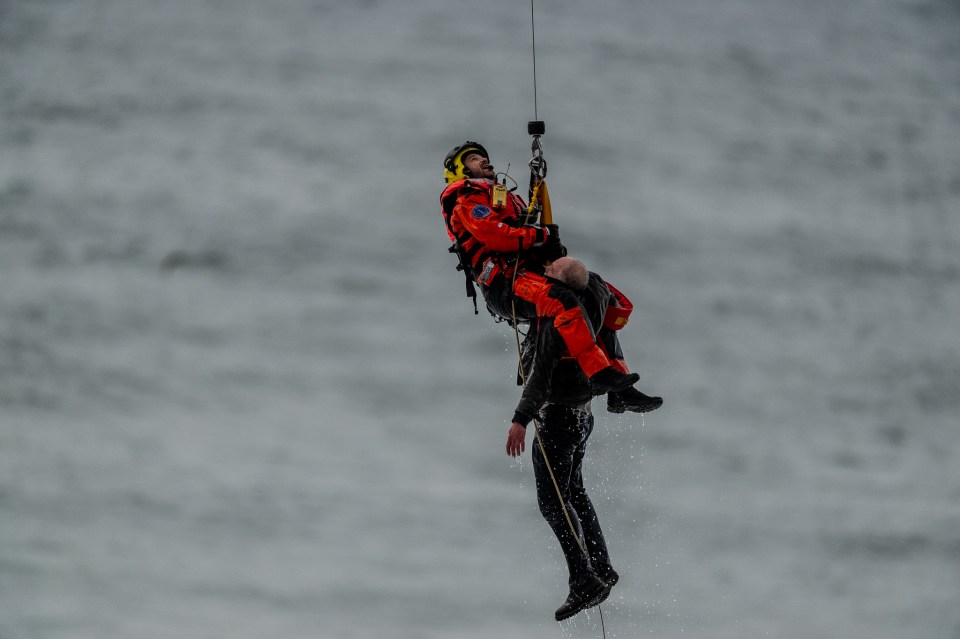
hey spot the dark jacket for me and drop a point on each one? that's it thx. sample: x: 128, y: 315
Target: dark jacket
x: 550, y: 376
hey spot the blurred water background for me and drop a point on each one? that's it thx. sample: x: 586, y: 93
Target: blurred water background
x: 242, y: 394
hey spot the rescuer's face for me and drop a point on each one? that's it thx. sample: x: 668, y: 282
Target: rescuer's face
x: 478, y: 166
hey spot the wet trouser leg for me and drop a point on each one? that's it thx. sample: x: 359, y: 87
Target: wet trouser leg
x: 564, y: 432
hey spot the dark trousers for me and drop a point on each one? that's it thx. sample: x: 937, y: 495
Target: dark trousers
x: 564, y: 432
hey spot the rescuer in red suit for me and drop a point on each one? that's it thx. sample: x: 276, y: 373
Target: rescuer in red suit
x: 507, y: 260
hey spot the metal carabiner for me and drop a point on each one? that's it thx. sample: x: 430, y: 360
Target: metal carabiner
x: 538, y: 164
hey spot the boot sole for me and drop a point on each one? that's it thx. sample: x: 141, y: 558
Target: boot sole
x: 598, y: 598
x: 640, y: 408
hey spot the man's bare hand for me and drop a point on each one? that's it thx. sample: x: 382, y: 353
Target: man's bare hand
x: 516, y: 439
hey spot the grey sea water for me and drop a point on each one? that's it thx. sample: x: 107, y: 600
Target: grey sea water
x: 242, y: 394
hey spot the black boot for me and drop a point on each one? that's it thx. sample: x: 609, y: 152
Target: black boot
x: 610, y: 379
x: 633, y: 400
x: 587, y: 594
x: 608, y: 575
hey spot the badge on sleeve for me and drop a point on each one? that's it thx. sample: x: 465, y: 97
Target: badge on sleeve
x: 480, y: 211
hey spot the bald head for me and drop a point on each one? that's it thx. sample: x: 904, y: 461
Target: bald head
x: 569, y: 271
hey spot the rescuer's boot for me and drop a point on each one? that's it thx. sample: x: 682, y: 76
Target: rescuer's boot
x: 630, y: 399
x: 610, y: 379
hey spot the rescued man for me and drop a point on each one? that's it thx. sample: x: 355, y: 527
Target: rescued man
x: 558, y: 395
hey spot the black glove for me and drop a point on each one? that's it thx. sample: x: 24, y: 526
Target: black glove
x: 553, y: 249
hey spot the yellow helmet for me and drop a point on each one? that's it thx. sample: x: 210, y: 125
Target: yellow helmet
x: 453, y: 170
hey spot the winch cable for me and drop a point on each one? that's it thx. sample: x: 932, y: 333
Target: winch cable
x: 540, y: 211
x: 533, y: 42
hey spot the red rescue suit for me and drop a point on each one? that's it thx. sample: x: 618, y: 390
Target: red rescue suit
x: 494, y: 243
